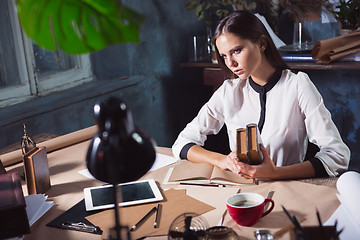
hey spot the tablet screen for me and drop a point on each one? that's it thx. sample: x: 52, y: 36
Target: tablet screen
x: 130, y: 192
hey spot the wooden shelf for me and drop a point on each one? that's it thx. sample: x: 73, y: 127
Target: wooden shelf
x: 293, y: 65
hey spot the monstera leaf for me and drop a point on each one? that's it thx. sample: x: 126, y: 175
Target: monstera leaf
x: 78, y: 26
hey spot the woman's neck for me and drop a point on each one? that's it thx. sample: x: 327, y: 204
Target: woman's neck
x: 263, y: 73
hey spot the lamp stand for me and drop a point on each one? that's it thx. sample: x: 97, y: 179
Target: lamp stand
x: 118, y: 228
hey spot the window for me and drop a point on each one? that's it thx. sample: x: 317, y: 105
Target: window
x: 27, y: 70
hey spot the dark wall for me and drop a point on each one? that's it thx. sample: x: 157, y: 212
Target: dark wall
x: 165, y: 35
x: 341, y: 93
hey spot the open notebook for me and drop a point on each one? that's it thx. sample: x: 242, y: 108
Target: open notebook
x: 203, y: 173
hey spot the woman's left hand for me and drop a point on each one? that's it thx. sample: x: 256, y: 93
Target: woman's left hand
x: 266, y: 169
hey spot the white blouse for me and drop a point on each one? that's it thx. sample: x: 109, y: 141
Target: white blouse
x: 295, y: 113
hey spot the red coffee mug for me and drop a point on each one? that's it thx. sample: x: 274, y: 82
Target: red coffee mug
x: 247, y: 208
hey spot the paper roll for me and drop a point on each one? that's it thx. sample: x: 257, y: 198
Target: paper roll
x: 348, y: 187
x: 53, y: 144
x: 331, y: 49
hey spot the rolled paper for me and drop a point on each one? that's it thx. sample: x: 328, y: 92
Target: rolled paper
x: 331, y: 49
x: 333, y: 55
x: 52, y: 144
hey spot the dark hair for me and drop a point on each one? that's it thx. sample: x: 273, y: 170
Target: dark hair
x: 247, y: 26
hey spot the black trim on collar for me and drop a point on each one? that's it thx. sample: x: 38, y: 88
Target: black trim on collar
x: 269, y: 85
x: 262, y: 90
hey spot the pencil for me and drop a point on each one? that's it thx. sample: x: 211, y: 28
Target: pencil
x: 203, y: 184
x: 157, y: 216
x: 133, y: 228
x: 286, y: 228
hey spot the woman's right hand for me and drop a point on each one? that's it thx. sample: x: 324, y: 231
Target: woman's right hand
x: 198, y: 154
x: 229, y: 162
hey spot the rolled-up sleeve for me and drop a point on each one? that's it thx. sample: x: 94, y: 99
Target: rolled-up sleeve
x: 209, y: 120
x: 321, y: 130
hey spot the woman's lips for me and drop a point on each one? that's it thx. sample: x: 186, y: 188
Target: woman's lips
x: 238, y: 71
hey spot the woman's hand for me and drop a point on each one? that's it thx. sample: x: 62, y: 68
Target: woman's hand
x: 266, y: 169
x: 230, y: 162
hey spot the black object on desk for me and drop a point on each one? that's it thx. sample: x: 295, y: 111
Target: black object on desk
x: 75, y: 214
x: 110, y: 151
x: 2, y: 168
x: 13, y: 217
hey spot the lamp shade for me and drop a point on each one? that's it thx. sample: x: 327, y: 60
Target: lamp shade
x: 119, y: 152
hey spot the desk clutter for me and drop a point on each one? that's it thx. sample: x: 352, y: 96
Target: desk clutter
x: 290, y: 194
x: 347, y: 215
x: 36, y: 166
x: 196, y: 209
x: 18, y: 213
x: 13, y: 218
x: 176, y: 203
x: 195, y: 201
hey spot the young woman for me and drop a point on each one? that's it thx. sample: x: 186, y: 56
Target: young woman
x: 261, y: 89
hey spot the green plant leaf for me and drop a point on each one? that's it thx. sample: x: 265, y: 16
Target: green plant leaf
x: 78, y: 26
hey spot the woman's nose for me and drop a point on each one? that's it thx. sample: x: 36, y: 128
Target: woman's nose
x: 232, y: 62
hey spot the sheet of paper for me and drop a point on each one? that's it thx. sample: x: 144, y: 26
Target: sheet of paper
x: 277, y: 41
x: 326, y: 16
x: 214, y: 196
x: 161, y: 160
x: 36, y: 206
x: 176, y: 203
x: 348, y: 213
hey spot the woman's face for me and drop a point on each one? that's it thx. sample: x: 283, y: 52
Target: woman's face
x: 241, y: 56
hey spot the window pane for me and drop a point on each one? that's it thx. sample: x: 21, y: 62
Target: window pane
x: 48, y: 62
x: 9, y: 72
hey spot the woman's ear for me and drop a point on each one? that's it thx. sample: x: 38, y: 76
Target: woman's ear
x: 262, y: 43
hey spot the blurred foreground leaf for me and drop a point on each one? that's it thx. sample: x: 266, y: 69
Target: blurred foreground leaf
x: 78, y: 26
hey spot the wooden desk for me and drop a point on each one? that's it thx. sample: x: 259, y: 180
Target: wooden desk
x: 68, y: 184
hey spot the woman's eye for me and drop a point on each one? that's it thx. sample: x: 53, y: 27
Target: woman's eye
x: 237, y: 50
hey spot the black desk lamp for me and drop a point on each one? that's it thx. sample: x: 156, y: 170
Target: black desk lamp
x: 119, y: 152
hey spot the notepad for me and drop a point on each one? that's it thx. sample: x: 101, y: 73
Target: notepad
x: 189, y: 172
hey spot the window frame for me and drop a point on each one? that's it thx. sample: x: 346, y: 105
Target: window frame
x: 31, y: 85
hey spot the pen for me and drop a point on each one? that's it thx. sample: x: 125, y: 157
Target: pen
x: 80, y: 226
x: 286, y: 228
x: 296, y: 223
x: 133, y: 228
x: 320, y: 223
x: 203, y: 184
x: 157, y: 216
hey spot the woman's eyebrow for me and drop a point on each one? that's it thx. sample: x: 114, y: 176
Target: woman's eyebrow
x: 236, y: 48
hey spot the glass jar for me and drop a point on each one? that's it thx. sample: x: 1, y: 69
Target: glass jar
x: 263, y: 235
x: 221, y: 232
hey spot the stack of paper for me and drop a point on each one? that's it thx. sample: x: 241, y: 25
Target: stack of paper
x: 36, y: 206
x: 348, y: 213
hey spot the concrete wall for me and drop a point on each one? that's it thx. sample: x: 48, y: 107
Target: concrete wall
x: 341, y: 92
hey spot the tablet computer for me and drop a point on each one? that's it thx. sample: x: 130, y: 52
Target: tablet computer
x: 136, y: 192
